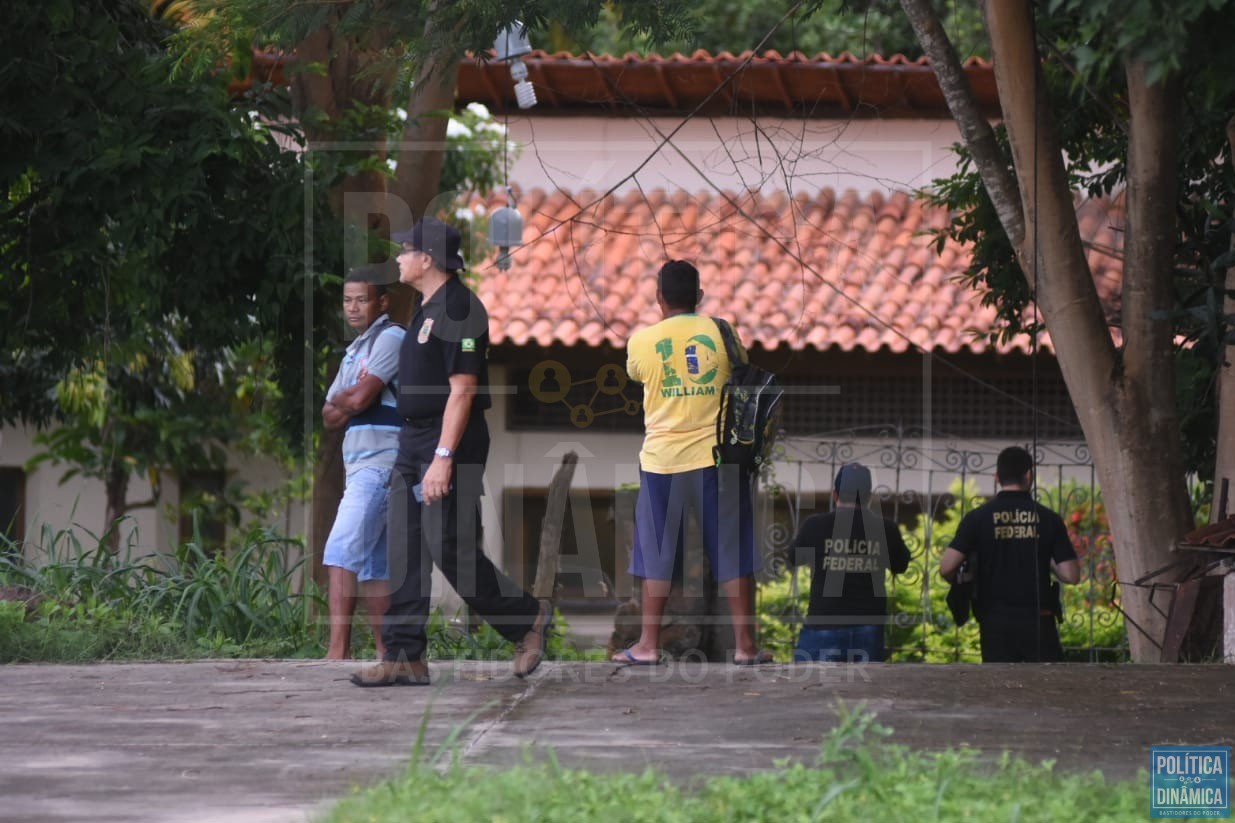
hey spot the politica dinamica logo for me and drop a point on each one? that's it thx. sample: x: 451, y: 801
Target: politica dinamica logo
x: 1190, y: 781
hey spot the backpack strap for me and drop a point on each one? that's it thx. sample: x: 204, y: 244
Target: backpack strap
x: 376, y: 334
x: 734, y: 354
x: 730, y: 338
x: 373, y: 342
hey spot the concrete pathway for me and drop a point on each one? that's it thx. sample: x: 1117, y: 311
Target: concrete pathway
x: 259, y: 741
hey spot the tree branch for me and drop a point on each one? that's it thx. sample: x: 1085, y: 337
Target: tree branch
x: 422, y: 151
x: 977, y: 133
x: 1051, y: 253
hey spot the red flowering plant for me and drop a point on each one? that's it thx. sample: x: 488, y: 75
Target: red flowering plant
x: 1093, y: 626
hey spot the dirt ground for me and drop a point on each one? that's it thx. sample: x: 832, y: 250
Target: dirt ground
x: 260, y: 741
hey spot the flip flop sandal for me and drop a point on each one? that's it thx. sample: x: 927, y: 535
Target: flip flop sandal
x: 627, y: 659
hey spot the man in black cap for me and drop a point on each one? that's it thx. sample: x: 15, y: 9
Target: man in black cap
x: 850, y: 550
x: 439, y: 474
x: 1016, y: 543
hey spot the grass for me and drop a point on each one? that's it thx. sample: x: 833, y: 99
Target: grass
x: 100, y: 605
x: 104, y: 605
x: 855, y: 777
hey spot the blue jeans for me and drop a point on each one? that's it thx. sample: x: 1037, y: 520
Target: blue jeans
x: 854, y: 644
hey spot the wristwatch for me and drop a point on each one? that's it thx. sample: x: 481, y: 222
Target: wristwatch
x: 442, y: 451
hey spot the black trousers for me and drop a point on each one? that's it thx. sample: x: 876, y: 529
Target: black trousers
x: 446, y: 533
x: 1019, y: 638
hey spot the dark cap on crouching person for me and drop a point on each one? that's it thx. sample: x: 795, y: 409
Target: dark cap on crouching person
x: 853, y: 484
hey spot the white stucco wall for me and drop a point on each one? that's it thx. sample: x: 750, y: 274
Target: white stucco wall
x: 80, y: 503
x: 596, y: 153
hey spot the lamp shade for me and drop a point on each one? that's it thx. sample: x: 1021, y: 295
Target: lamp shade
x: 512, y: 42
x: 506, y: 227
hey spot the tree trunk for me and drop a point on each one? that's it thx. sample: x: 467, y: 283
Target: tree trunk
x: 328, y: 481
x: 547, y: 559
x: 354, y: 77
x: 1125, y: 404
x: 321, y: 100
x: 422, y: 151
x: 117, y: 483
x: 1225, y: 464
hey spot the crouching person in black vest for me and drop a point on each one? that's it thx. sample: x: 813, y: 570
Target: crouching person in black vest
x: 850, y: 551
x: 439, y: 474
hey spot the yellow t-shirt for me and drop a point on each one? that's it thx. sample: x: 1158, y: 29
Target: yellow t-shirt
x: 682, y: 365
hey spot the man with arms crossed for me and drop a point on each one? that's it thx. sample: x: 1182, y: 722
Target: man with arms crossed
x: 682, y: 365
x: 362, y: 400
x: 439, y: 476
x: 1015, y: 543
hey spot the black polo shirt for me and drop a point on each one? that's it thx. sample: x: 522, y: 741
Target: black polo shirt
x: 1014, y: 539
x: 850, y: 551
x: 448, y: 335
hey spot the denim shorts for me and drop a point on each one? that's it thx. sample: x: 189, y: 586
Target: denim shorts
x: 357, y: 541
x: 719, y: 501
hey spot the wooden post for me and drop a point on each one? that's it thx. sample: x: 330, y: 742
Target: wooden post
x: 551, y: 528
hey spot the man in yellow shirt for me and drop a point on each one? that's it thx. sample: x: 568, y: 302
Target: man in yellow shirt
x: 682, y: 364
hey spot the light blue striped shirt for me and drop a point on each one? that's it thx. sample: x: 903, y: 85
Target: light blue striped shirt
x: 372, y: 437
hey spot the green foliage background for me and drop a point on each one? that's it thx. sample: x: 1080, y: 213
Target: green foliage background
x: 1085, y: 44
x: 861, y: 27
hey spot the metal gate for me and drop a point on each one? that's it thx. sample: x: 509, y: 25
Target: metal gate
x: 926, y: 482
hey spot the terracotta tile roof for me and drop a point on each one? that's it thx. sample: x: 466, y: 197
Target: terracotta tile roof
x: 822, y: 86
x: 871, y: 279
x: 793, y: 84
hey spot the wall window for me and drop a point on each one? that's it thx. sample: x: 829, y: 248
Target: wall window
x: 1004, y: 408
x: 12, y: 505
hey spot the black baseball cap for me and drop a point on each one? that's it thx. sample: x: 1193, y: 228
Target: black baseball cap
x: 437, y: 239
x: 853, y: 483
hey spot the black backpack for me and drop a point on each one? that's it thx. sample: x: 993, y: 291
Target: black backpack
x: 749, y: 414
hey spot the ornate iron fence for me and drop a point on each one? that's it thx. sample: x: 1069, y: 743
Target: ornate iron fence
x: 926, y: 482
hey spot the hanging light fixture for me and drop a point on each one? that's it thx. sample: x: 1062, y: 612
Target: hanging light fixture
x: 511, y: 45
x: 506, y: 230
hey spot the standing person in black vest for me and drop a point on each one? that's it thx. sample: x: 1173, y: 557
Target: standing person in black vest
x: 850, y: 551
x: 1015, y: 542
x: 439, y: 474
